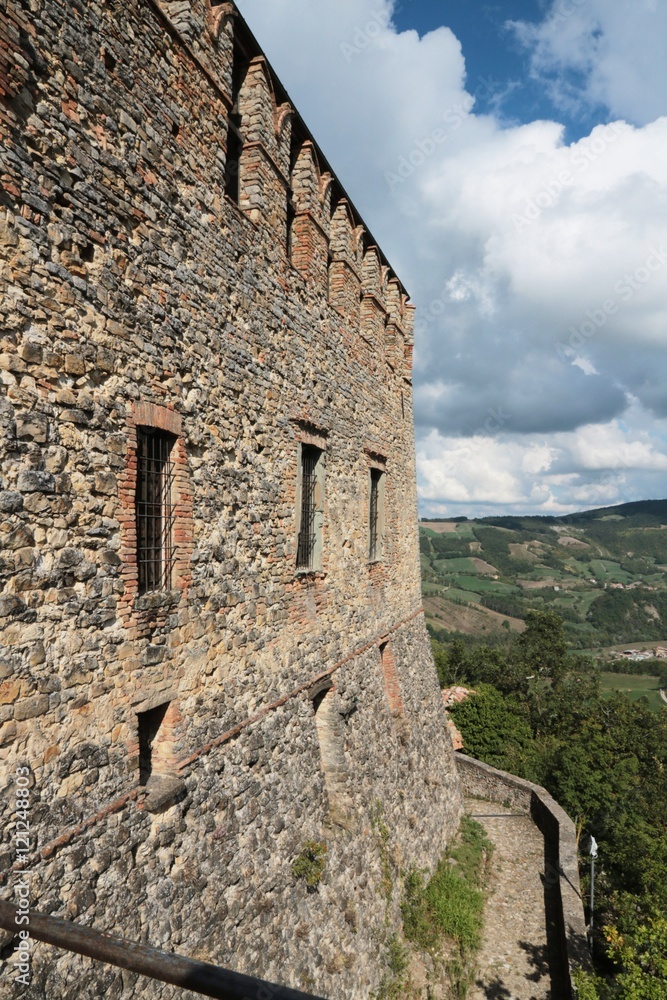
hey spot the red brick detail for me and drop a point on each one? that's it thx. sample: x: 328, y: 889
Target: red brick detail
x: 165, y: 755
x: 164, y: 418
x: 391, y: 684
x: 373, y: 319
x: 145, y: 414
x: 344, y: 291
x: 217, y: 17
x: 310, y: 248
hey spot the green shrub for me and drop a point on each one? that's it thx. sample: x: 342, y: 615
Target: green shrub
x: 449, y: 908
x: 309, y: 864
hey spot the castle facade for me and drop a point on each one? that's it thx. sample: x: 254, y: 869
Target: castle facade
x: 213, y: 656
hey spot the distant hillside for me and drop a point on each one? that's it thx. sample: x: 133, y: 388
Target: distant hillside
x: 604, y: 571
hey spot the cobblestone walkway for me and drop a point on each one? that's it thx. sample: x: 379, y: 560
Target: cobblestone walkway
x: 514, y: 959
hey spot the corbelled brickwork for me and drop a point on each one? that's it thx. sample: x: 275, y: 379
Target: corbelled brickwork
x: 150, y: 283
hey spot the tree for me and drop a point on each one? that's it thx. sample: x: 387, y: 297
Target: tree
x: 450, y: 662
x: 495, y: 728
x: 642, y: 954
x: 542, y: 646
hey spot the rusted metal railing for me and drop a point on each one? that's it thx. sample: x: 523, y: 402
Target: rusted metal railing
x: 200, y: 977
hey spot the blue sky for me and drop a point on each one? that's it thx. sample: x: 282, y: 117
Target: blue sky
x: 512, y: 161
x: 497, y: 63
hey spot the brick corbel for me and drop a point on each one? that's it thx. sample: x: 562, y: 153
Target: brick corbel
x: 281, y: 116
x: 217, y: 17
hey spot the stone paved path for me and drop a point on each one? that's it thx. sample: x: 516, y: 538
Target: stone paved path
x: 514, y: 960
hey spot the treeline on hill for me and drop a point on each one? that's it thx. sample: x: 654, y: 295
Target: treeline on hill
x: 538, y: 713
x: 630, y: 615
x: 649, y: 667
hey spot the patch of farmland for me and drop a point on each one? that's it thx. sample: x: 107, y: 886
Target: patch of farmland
x: 470, y: 619
x: 523, y: 551
x: 440, y: 527
x: 479, y: 585
x: 485, y: 568
x: 463, y: 565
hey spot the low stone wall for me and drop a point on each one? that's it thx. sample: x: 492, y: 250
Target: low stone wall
x: 481, y: 781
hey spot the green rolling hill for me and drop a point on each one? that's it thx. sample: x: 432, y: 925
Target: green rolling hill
x: 604, y: 571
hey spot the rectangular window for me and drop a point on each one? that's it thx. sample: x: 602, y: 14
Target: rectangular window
x: 309, y: 543
x: 233, y: 161
x: 234, y: 134
x: 149, y: 726
x: 154, y: 509
x: 291, y: 216
x: 376, y: 515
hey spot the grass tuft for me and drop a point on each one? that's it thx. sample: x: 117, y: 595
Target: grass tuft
x: 449, y: 908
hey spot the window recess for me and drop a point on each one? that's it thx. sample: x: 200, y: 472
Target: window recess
x: 311, y: 491
x: 376, y: 515
x: 154, y: 510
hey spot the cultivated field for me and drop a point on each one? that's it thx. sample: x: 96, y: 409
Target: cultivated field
x: 636, y: 687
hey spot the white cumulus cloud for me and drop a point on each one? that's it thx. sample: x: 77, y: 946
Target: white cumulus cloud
x: 539, y: 268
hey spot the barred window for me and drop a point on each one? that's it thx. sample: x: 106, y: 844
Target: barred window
x: 310, y: 526
x: 376, y: 516
x: 154, y: 509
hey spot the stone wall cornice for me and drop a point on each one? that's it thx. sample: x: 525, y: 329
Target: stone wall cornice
x: 256, y: 145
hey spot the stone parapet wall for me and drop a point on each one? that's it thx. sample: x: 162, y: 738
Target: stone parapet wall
x: 136, y: 292
x: 479, y: 780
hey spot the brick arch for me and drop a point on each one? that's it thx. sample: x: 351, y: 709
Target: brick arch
x: 306, y: 180
x: 283, y: 114
x: 217, y: 15
x: 342, y: 232
x: 391, y: 683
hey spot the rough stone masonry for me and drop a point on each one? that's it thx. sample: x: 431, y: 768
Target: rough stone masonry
x: 178, y: 265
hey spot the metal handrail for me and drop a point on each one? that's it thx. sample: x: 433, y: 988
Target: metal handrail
x: 200, y: 977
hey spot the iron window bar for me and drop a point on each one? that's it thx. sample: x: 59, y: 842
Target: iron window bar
x: 306, y: 544
x: 154, y: 510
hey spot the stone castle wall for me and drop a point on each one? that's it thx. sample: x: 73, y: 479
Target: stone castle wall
x: 302, y: 705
